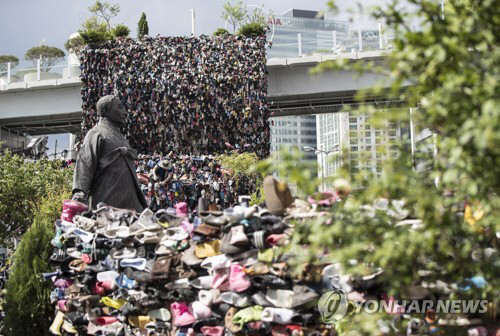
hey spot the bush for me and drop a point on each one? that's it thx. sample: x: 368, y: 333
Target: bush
x: 252, y: 29
x: 94, y: 31
x: 120, y: 31
x: 4, y: 59
x: 22, y: 185
x: 220, y: 31
x: 49, y: 56
x: 27, y: 304
x: 94, y: 36
x: 244, y: 163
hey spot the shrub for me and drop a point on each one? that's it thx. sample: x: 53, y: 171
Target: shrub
x: 27, y: 304
x: 94, y: 31
x: 22, y: 185
x: 49, y: 56
x: 220, y: 31
x: 120, y: 31
x: 252, y: 29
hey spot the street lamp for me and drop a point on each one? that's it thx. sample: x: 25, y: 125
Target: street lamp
x: 316, y: 151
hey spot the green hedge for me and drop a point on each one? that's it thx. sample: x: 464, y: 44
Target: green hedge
x: 27, y: 305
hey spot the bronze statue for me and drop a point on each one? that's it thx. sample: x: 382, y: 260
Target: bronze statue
x: 105, y: 167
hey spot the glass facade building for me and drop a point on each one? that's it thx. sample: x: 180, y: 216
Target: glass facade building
x: 294, y: 131
x: 316, y: 33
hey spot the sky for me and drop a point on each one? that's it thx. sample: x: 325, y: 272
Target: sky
x: 28, y: 23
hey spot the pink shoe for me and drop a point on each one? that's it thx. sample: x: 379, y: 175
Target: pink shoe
x: 212, y: 331
x: 181, y: 314
x: 273, y: 239
x: 220, y: 278
x: 61, y: 305
x: 324, y: 198
x: 238, y: 281
x: 105, y: 320
x: 71, y: 208
x: 181, y: 209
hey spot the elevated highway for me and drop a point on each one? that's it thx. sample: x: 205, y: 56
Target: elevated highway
x: 54, y: 105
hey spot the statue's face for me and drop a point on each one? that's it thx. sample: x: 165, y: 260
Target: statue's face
x: 117, y: 113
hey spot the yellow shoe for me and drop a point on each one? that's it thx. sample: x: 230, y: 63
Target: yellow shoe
x: 117, y: 304
x: 55, y: 328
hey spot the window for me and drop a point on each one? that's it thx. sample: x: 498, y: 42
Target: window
x: 378, y: 155
x: 353, y: 127
x: 378, y: 140
x: 368, y: 134
x: 368, y: 141
x: 354, y: 156
x: 368, y: 148
x: 395, y: 155
x: 379, y: 169
x: 353, y: 134
x: 377, y: 133
x: 394, y: 147
x: 354, y: 141
x: 392, y: 133
x: 354, y: 163
x: 353, y: 120
x: 354, y: 148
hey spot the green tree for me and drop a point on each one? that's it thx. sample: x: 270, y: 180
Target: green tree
x: 143, y: 28
x: 74, y: 45
x: 258, y: 15
x: 27, y: 303
x: 235, y: 13
x: 4, y: 59
x: 106, y: 11
x: 453, y: 66
x: 220, y: 31
x: 120, y: 31
x: 22, y: 185
x: 49, y: 56
x: 252, y: 29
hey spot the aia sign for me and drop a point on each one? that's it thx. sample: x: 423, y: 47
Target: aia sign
x: 276, y: 22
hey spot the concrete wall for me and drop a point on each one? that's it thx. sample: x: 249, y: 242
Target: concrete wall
x: 297, y: 81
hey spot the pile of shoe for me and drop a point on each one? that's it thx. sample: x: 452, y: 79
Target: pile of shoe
x: 122, y: 273
x: 179, y: 91
x: 168, y: 180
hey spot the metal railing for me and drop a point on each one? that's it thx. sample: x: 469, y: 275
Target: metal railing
x: 297, y: 46
x: 28, y: 71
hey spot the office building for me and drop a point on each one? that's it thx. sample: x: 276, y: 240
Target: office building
x: 365, y: 146
x: 293, y: 132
